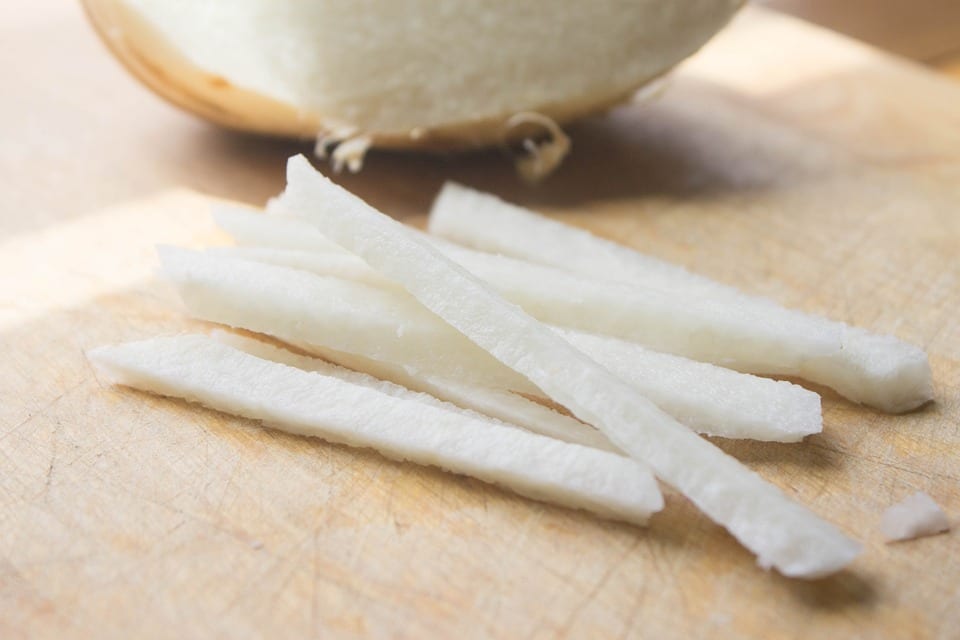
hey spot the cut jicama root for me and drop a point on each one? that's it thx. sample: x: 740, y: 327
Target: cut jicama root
x: 250, y: 227
x: 388, y: 326
x: 707, y: 331
x: 200, y: 369
x: 338, y: 265
x: 876, y: 370
x: 707, y: 398
x: 496, y: 403
x: 306, y: 310
x: 780, y: 532
x: 914, y: 517
x: 501, y: 405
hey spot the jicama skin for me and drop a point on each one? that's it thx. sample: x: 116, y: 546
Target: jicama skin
x: 200, y: 369
x: 876, y: 370
x: 780, y: 532
x: 493, y: 403
x: 388, y: 326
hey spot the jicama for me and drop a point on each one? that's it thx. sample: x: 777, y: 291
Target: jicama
x: 913, y: 517
x: 712, y: 400
x: 338, y: 265
x: 704, y: 330
x: 877, y: 370
x: 780, y: 532
x: 388, y: 326
x: 200, y: 369
x: 250, y: 227
x: 304, y: 309
x: 417, y: 74
x: 500, y: 405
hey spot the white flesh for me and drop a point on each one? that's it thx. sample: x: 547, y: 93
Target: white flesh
x: 501, y: 405
x: 200, y: 369
x: 390, y: 327
x: 250, y: 227
x: 706, y: 330
x: 707, y: 398
x: 877, y: 370
x: 307, y: 310
x: 780, y: 532
x: 914, y: 517
x: 334, y: 264
x: 404, y: 65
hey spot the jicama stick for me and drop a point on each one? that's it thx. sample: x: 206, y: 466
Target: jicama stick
x: 337, y: 264
x: 301, y: 308
x: 318, y: 313
x: 700, y: 331
x: 500, y: 405
x: 710, y: 399
x: 877, y: 370
x: 483, y: 221
x: 200, y: 369
x: 782, y: 533
x: 250, y: 227
x: 747, y: 337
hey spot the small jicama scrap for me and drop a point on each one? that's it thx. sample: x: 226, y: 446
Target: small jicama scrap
x: 779, y: 531
x: 387, y: 326
x: 396, y: 423
x: 501, y: 405
x: 876, y: 370
x: 914, y: 517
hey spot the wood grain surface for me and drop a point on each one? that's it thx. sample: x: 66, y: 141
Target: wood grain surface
x: 782, y: 159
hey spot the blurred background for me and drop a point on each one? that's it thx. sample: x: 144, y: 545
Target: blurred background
x: 925, y: 30
x: 83, y: 156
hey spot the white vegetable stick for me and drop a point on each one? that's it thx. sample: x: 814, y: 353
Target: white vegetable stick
x: 710, y: 399
x: 381, y: 327
x: 710, y: 332
x: 485, y: 222
x: 305, y: 309
x: 707, y: 398
x: 338, y: 264
x: 782, y: 533
x: 704, y: 330
x: 913, y: 517
x: 250, y: 227
x: 877, y: 370
x: 492, y: 403
x: 200, y: 369
x: 496, y: 403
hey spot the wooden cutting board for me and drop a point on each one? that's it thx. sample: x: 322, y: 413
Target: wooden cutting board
x: 782, y: 159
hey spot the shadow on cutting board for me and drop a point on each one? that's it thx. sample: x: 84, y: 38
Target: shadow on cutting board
x: 696, y: 140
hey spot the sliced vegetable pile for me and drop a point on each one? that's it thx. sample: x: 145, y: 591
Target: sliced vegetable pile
x: 443, y: 354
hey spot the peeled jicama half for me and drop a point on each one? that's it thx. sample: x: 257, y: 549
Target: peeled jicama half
x: 401, y: 73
